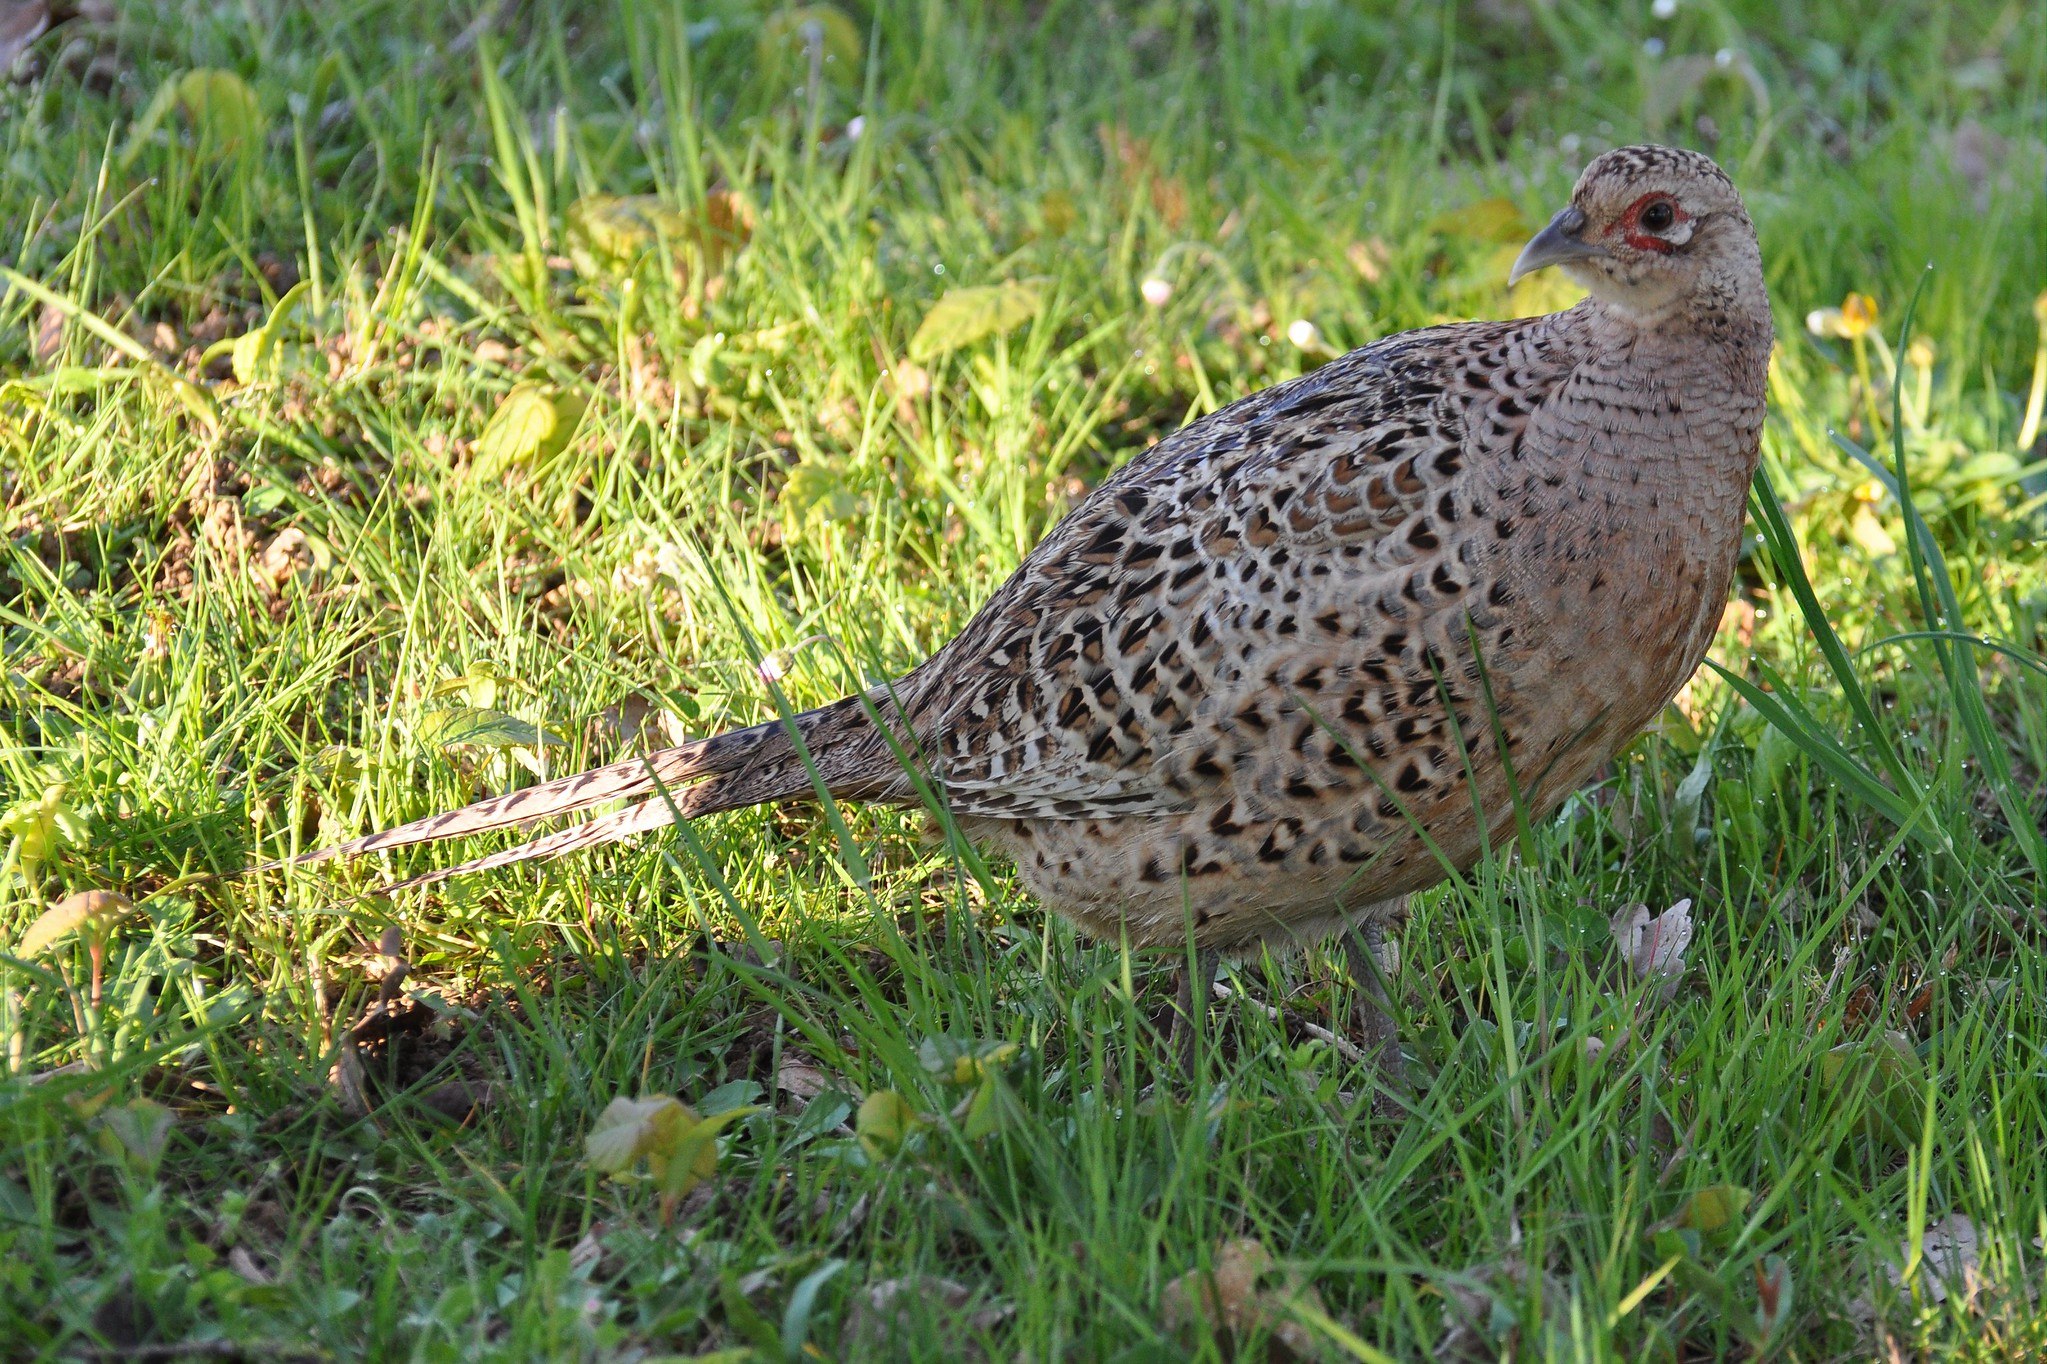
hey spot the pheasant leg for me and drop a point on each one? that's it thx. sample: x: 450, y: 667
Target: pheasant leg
x: 1197, y: 988
x: 1373, y: 1005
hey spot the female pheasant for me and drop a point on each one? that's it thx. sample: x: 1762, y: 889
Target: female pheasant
x: 1302, y: 657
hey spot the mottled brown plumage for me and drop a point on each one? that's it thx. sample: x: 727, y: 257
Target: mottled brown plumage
x: 1242, y: 690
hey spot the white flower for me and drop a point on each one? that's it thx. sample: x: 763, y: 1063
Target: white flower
x: 1156, y: 291
x: 1304, y: 334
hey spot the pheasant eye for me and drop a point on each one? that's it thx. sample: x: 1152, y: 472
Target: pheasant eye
x: 1658, y: 216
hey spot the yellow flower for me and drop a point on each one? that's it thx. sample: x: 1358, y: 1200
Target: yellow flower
x: 1858, y: 314
x: 1919, y: 354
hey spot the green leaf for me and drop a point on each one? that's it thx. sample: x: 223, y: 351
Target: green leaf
x: 630, y: 1128
x: 984, y: 1115
x: 222, y: 110
x: 802, y: 1304
x: 965, y: 316
x: 814, y: 485
x: 533, y: 422
x: 45, y: 827
x: 260, y: 355
x: 135, y: 1132
x: 693, y: 1157
x: 791, y: 38
x: 1884, y: 1077
x: 884, y: 1123
x: 1715, y: 1212
x: 608, y: 235
x: 452, y: 726
x: 1691, y: 792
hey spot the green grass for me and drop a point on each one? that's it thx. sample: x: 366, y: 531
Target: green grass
x: 246, y: 618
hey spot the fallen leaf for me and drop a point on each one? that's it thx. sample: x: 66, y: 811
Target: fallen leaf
x: 346, y: 1079
x: 1886, y: 1077
x: 48, y: 346
x: 1948, y: 1260
x: 458, y: 1101
x: 533, y: 422
x: 1654, y: 945
x: 1715, y: 1212
x: 1496, y: 220
x: 815, y: 39
x: 884, y: 1123
x: 1866, y: 529
x: 45, y: 828
x: 1774, y: 1293
x: 91, y: 911
x: 293, y: 554
x: 1229, y: 1297
x: 797, y: 1076
x: 221, y: 109
x: 964, y: 316
x: 1488, y: 1314
x: 245, y: 1266
x: 589, y: 1249
x: 680, y: 1146
x: 628, y: 1129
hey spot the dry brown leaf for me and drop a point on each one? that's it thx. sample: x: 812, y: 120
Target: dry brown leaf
x: 1482, y: 1311
x: 1950, y: 1255
x: 800, y: 1078
x: 244, y: 1264
x: 49, y: 339
x: 1654, y: 945
x: 1229, y: 1299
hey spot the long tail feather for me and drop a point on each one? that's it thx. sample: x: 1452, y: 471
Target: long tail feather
x: 738, y: 768
x: 648, y: 814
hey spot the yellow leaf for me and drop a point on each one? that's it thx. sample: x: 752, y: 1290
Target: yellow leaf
x: 223, y: 112
x: 1488, y: 220
x: 609, y: 233
x: 258, y: 355
x: 1057, y: 214
x: 223, y: 109
x: 965, y: 316
x: 45, y: 827
x: 693, y: 1157
x: 1868, y: 532
x: 532, y: 423
x: 93, y: 911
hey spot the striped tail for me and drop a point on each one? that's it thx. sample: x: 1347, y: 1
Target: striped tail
x: 729, y: 771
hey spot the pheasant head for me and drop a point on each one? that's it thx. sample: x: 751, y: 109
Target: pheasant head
x: 1659, y: 235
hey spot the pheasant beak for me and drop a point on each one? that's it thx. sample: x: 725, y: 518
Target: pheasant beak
x: 1557, y: 244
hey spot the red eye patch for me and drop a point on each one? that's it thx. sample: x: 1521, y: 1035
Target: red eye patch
x: 1629, y: 227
